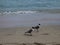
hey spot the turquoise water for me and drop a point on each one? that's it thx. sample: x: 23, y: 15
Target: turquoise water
x: 28, y: 5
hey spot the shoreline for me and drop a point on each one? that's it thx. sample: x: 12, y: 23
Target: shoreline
x: 49, y: 11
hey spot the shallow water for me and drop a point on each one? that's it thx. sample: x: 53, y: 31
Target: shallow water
x: 29, y: 20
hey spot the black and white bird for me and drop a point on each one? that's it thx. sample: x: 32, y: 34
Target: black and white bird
x: 37, y: 27
x: 29, y: 32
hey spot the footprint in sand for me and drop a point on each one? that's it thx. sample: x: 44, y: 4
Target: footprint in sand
x: 9, y: 34
x: 39, y: 43
x: 45, y: 34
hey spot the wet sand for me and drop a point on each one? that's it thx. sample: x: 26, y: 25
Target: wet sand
x: 12, y: 20
x: 47, y: 35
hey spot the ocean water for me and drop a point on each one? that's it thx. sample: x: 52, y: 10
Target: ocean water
x: 29, y: 12
x: 27, y: 6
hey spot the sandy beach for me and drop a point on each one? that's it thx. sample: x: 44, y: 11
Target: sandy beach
x: 47, y: 35
x: 18, y: 16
